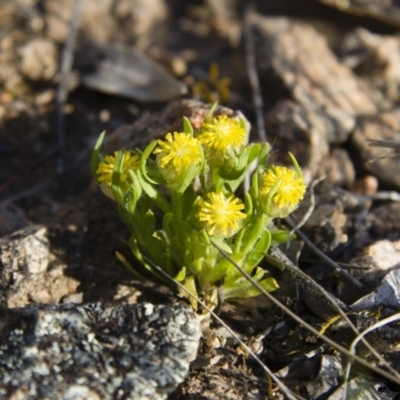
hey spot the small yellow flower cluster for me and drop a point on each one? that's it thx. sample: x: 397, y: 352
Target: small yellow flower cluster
x: 220, y: 214
x: 288, y: 188
x: 222, y: 138
x: 176, y: 154
x: 216, y: 89
x: 188, y: 180
x: 106, y: 168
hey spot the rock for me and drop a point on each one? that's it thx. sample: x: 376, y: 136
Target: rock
x: 128, y: 72
x: 25, y: 273
x: 375, y: 58
x: 107, y: 21
x: 304, y: 67
x: 383, y: 126
x: 387, y: 11
x: 39, y: 59
x: 364, y: 388
x: 157, y: 125
x: 300, y: 130
x: 327, y: 226
x: 377, y: 260
x: 338, y: 168
x: 383, y: 222
x: 96, y: 351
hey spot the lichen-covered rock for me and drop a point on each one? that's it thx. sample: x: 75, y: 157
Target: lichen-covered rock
x: 28, y: 272
x: 95, y: 351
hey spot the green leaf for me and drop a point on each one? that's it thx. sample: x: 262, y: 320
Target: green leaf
x: 279, y: 236
x: 187, y: 126
x: 187, y: 180
x: 264, y: 153
x: 146, y: 154
x: 190, y: 285
x: 222, y: 268
x: 267, y: 203
x: 96, y: 156
x: 116, y: 185
x: 181, y: 275
x: 133, y: 244
x: 188, y: 199
x: 245, y: 290
x: 176, y: 237
x: 130, y: 200
x: 296, y: 165
x: 253, y: 232
x: 133, y: 194
x: 211, y: 111
x: 122, y: 259
x: 257, y: 253
x: 153, y: 193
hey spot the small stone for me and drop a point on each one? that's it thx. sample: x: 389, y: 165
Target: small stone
x: 95, y: 351
x: 379, y: 161
x: 39, y: 59
x: 376, y: 260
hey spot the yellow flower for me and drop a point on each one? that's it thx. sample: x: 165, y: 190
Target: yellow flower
x: 176, y: 154
x: 289, y: 191
x: 222, y: 137
x: 220, y: 215
x: 105, y: 170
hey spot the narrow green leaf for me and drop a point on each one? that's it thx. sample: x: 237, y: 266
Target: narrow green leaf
x: 211, y: 111
x: 116, y: 185
x: 96, y: 156
x: 187, y: 126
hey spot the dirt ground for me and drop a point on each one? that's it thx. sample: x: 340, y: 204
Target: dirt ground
x: 329, y: 78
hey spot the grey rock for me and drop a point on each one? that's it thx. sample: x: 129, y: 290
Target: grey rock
x: 24, y: 256
x: 378, y: 161
x: 295, y: 60
x: 29, y: 273
x: 95, y: 351
x: 300, y: 130
x: 128, y: 72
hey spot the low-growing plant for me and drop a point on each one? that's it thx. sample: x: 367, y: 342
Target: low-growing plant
x: 182, y: 197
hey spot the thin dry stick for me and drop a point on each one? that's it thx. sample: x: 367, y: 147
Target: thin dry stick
x: 384, y: 143
x: 379, y: 324
x: 290, y: 313
x: 392, y: 196
x: 67, y: 58
x: 277, y: 258
x: 252, y: 73
x: 282, y: 386
x: 323, y: 256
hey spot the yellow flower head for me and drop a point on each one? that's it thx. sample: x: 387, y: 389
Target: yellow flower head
x: 220, y: 215
x: 176, y: 154
x: 222, y: 137
x: 106, y: 167
x: 289, y: 191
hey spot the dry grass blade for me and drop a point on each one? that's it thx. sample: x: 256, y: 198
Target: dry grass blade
x: 62, y: 92
x: 290, y: 395
x: 384, y: 143
x: 353, y: 345
x: 392, y: 377
x: 324, y: 257
x: 252, y: 72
